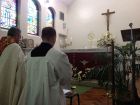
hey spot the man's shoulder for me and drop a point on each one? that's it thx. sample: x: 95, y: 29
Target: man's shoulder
x: 13, y: 50
x: 13, y: 47
x: 56, y: 52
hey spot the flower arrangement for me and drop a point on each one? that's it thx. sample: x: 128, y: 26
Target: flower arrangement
x: 81, y: 75
x: 105, y: 40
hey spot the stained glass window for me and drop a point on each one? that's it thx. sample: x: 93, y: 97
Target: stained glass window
x: 8, y: 13
x: 32, y: 18
x: 50, y: 18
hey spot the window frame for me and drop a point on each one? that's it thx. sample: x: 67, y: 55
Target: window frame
x: 17, y: 14
x: 38, y: 8
x: 51, y: 9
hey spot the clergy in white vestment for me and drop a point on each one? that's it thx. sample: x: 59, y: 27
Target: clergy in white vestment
x: 11, y: 60
x: 48, y: 72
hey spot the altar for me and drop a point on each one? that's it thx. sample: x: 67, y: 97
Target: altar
x: 85, y: 60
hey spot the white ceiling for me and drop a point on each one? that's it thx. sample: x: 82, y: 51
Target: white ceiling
x: 67, y: 2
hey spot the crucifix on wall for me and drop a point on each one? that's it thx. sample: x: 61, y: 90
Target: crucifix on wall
x: 108, y: 13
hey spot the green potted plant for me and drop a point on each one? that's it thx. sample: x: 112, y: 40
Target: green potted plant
x: 122, y: 94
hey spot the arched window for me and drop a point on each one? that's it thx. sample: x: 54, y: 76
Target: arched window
x: 50, y: 18
x: 8, y: 15
x: 33, y: 17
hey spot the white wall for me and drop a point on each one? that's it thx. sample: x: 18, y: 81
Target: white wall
x: 84, y: 16
x: 56, y: 4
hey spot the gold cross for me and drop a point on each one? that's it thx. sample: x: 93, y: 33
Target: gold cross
x: 108, y: 15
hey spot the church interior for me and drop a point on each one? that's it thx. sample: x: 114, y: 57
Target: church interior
x: 100, y: 37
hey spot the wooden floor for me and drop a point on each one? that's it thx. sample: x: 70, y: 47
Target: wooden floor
x: 97, y: 97
x: 138, y: 86
x: 92, y: 97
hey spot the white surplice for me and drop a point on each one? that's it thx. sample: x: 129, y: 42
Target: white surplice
x: 46, y: 77
x: 11, y: 74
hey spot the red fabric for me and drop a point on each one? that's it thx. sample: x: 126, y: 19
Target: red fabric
x: 93, y: 59
x: 4, y: 42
